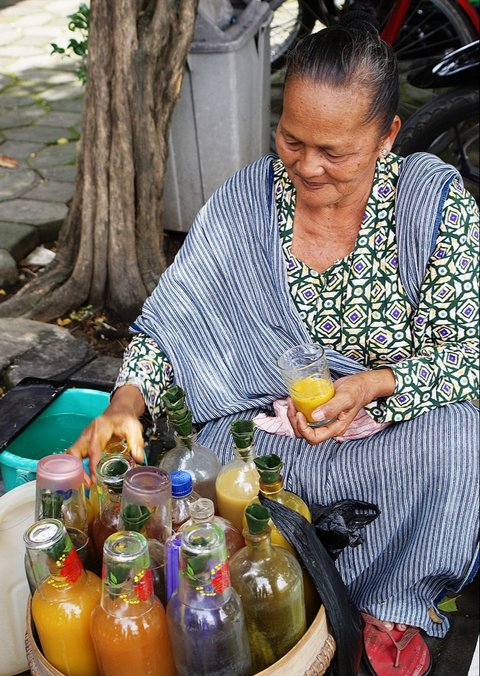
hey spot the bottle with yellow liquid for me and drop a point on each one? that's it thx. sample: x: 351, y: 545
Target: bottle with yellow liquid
x: 63, y: 602
x: 271, y: 486
x: 269, y: 581
x: 238, y: 481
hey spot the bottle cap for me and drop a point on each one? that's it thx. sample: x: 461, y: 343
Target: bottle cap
x: 181, y: 484
x: 257, y: 517
x: 269, y: 468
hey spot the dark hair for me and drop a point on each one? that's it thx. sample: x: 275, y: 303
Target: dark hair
x: 351, y: 53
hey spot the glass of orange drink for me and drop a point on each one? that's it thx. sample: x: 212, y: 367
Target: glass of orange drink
x: 306, y: 374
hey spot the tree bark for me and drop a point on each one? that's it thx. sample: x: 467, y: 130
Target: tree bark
x: 110, y: 245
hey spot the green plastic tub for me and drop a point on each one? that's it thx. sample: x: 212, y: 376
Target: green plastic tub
x: 53, y: 431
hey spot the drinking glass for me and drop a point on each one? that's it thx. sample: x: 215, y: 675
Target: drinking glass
x: 306, y: 374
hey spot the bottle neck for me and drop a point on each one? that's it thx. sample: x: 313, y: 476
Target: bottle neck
x: 209, y: 588
x: 259, y: 545
x: 68, y: 506
x: 188, y: 441
x: 272, y: 489
x: 127, y: 582
x: 109, y: 500
x: 247, y: 455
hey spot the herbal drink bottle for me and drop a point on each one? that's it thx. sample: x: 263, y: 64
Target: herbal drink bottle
x: 202, y: 511
x: 205, y: 617
x: 183, y: 496
x: 146, y: 508
x: 238, y: 481
x: 129, y: 627
x: 269, y: 580
x: 63, y: 602
x: 60, y: 495
x: 188, y: 455
x: 110, y: 472
x: 271, y: 486
x: 118, y: 448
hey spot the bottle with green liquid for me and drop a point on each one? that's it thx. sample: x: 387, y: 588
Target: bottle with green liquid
x: 269, y: 468
x: 269, y: 581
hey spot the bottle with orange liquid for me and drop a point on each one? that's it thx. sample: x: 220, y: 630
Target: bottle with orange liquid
x: 63, y: 602
x: 271, y: 486
x: 238, y: 481
x: 110, y: 472
x: 129, y: 627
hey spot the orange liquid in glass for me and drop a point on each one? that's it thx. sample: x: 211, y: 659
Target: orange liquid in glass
x: 309, y: 393
x: 127, y: 646
x: 62, y: 620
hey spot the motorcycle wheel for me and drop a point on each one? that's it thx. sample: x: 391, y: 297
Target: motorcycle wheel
x: 447, y: 126
x: 292, y: 20
x: 432, y: 29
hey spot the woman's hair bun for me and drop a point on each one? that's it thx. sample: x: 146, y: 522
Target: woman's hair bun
x: 360, y: 17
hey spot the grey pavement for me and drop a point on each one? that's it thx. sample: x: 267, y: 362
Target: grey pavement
x: 40, y: 119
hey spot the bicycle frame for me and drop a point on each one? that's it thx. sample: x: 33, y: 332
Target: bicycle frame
x: 397, y: 17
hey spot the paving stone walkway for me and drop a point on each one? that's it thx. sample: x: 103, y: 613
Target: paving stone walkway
x: 40, y: 118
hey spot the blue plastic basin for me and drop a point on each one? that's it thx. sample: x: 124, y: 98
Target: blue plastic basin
x: 55, y: 429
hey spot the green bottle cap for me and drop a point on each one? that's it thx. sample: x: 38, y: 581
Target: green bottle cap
x: 178, y: 412
x: 257, y: 517
x: 242, y: 431
x: 269, y: 468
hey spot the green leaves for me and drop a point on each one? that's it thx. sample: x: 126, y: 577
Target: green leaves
x: 448, y: 604
x: 79, y: 21
x: 178, y: 413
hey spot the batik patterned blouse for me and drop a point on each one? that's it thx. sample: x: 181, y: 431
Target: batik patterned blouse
x: 359, y: 307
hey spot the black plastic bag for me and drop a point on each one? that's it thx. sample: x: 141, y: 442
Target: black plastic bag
x: 344, y: 619
x: 338, y: 525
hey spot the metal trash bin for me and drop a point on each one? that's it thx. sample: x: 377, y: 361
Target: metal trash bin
x: 222, y: 119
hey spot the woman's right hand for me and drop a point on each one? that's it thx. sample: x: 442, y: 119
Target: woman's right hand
x: 120, y: 420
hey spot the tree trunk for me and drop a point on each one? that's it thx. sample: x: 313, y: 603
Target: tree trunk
x: 110, y: 245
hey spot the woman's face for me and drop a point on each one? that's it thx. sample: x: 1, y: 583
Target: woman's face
x: 328, y: 150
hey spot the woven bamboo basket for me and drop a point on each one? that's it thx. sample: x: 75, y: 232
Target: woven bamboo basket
x: 310, y: 657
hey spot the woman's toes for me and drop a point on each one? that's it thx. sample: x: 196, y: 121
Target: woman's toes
x: 401, y: 627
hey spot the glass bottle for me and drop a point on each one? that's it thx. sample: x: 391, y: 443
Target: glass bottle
x: 119, y: 447
x: 271, y: 486
x: 110, y: 472
x: 63, y: 602
x: 129, y: 627
x: 269, y: 580
x: 59, y: 491
x: 238, y: 481
x: 146, y: 508
x: 269, y: 468
x: 60, y: 495
x: 205, y: 617
x: 202, y: 511
x: 188, y: 455
x: 182, y: 497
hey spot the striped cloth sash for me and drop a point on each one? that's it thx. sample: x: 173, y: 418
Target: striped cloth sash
x: 223, y: 312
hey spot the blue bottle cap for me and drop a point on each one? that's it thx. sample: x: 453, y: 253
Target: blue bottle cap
x: 181, y: 484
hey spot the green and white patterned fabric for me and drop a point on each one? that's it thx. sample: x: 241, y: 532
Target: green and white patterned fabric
x: 360, y: 308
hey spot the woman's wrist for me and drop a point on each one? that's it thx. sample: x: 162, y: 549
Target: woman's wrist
x: 380, y: 383
x: 127, y: 399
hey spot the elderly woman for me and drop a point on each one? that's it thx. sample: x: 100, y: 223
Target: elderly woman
x: 342, y: 243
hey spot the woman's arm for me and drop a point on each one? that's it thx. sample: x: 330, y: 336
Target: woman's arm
x: 144, y: 376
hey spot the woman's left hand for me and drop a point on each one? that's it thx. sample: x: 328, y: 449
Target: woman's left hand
x: 351, y: 394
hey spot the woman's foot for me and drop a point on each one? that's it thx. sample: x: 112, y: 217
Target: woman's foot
x: 394, y: 649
